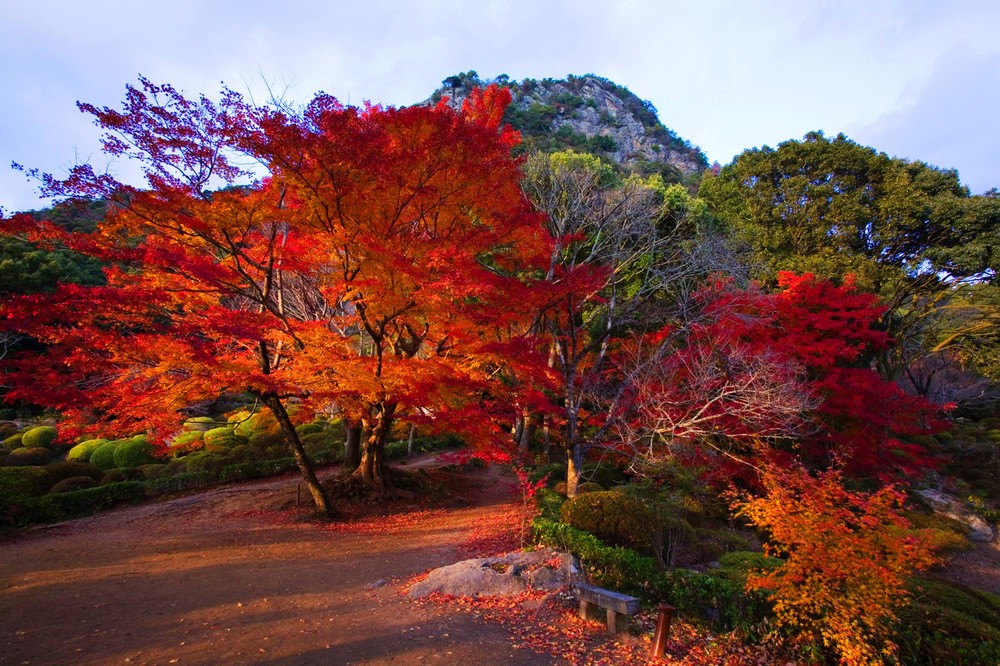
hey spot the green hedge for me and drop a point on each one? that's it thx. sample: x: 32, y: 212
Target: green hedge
x: 718, y: 599
x: 89, y: 500
x: 255, y: 470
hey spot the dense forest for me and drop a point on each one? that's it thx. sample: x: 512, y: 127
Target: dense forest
x: 788, y: 364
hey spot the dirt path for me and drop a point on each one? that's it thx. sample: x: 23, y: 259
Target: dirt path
x: 216, y: 578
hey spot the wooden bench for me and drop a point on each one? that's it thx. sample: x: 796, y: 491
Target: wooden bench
x: 618, y: 605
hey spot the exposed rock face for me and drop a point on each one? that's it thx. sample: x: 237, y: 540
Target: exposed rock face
x: 979, y: 529
x: 501, y: 576
x: 590, y: 114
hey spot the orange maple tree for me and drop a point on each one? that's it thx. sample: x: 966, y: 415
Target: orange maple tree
x: 847, y: 555
x: 373, y: 268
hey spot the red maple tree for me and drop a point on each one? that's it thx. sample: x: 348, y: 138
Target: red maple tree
x: 375, y: 267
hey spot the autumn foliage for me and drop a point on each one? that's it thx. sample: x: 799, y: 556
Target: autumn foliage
x: 371, y: 269
x: 847, y: 555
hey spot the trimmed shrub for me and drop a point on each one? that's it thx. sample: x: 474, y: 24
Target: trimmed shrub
x: 217, y: 433
x: 549, y: 503
x: 122, y: 474
x: 7, y: 430
x: 188, y: 439
x: 82, y: 451
x: 73, y: 483
x: 134, y: 452
x: 68, y: 469
x: 267, y: 440
x: 153, y: 470
x: 104, y: 455
x: 309, y: 429
x: 40, y: 436
x: 26, y: 481
x: 200, y: 423
x: 588, y: 487
x: 13, y: 442
x: 239, y: 453
x: 29, y: 456
x: 205, y: 461
x: 947, y: 623
x: 612, y: 516
x: 83, y: 502
x: 256, y: 469
x: 713, y: 543
x: 323, y: 442
x: 179, y: 482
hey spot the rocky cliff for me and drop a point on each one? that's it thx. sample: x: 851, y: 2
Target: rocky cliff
x: 590, y: 114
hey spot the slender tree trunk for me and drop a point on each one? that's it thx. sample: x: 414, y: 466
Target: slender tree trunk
x: 305, y: 465
x: 409, y: 442
x: 352, y: 444
x: 574, y: 468
x: 518, y: 430
x: 372, y: 470
x: 527, y: 434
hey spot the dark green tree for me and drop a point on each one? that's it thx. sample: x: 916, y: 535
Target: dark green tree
x: 907, y: 231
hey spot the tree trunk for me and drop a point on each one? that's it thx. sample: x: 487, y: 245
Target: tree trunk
x: 518, y: 430
x: 409, y: 443
x: 352, y: 444
x: 305, y: 465
x: 574, y: 468
x: 527, y: 435
x: 372, y: 469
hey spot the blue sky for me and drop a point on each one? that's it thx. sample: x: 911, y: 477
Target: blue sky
x: 917, y: 79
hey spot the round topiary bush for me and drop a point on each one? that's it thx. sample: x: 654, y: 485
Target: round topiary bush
x: 239, y: 454
x: 615, y: 517
x: 153, y: 471
x: 309, y: 429
x: 200, y: 423
x: 68, y: 469
x: 29, y: 455
x: 7, y: 430
x: 220, y: 440
x: 589, y: 487
x: 39, y: 436
x: 28, y: 481
x: 134, y: 452
x: 189, y: 440
x: 82, y: 451
x: 204, y: 461
x: 265, y: 440
x: 104, y: 455
x: 73, y: 483
x: 122, y: 474
x: 12, y: 442
x: 318, y: 442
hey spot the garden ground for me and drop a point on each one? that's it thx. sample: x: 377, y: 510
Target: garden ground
x: 237, y: 575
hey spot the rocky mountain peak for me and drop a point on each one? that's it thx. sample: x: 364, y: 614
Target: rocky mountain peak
x: 589, y: 114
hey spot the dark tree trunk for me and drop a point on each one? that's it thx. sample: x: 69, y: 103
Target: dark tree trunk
x: 352, y: 444
x: 305, y: 465
x: 527, y: 434
x: 372, y: 470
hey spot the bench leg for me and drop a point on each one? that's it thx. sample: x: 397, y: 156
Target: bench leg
x: 612, y: 623
x: 583, y: 609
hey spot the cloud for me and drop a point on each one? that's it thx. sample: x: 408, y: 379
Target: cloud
x: 949, y: 120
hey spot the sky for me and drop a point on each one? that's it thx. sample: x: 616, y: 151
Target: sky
x: 918, y: 79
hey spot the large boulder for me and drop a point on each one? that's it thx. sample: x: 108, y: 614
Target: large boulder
x: 501, y: 576
x: 954, y: 508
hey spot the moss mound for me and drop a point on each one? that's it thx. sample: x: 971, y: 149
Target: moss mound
x: 104, y: 455
x: 82, y: 451
x: 44, y: 436
x: 29, y: 456
x: 73, y: 483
